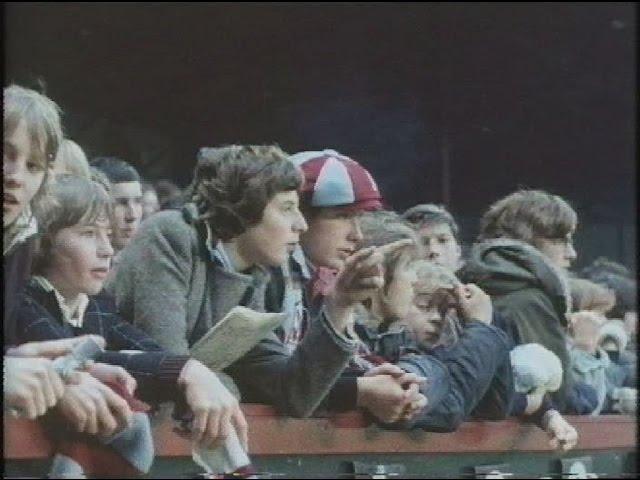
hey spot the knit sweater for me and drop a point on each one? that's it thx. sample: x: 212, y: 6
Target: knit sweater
x: 170, y: 285
x: 39, y: 318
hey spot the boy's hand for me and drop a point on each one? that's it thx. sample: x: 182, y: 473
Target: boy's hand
x: 387, y: 400
x: 562, y: 433
x: 52, y: 348
x: 216, y: 412
x: 361, y: 277
x: 92, y: 407
x: 113, y: 374
x: 474, y: 303
x: 31, y: 386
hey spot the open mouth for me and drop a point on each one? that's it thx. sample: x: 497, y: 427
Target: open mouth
x: 8, y: 199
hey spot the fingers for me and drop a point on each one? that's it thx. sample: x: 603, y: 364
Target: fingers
x: 57, y: 385
x: 76, y: 412
x: 88, y: 407
x: 412, y: 378
x: 415, y: 407
x: 50, y: 393
x: 412, y: 392
x: 26, y: 407
x: 224, y: 427
x: 385, y: 369
x: 106, y: 423
x: 461, y: 292
x: 125, y: 379
x: 211, y: 434
x: 200, y: 422
x: 48, y: 348
x: 242, y: 429
x: 38, y: 394
x: 392, y: 247
x: 119, y: 407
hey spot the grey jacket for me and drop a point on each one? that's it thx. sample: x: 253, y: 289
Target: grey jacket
x: 169, y: 286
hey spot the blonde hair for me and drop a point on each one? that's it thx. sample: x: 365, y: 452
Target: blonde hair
x: 41, y: 116
x: 528, y: 215
x: 382, y: 227
x: 72, y: 160
x: 432, y: 277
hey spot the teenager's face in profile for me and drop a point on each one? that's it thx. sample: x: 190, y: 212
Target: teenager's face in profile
x: 440, y: 245
x: 275, y: 237
x: 127, y: 211
x: 559, y: 251
x: 334, y: 234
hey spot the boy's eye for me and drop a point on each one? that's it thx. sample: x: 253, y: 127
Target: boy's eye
x: 88, y: 233
x: 34, y: 167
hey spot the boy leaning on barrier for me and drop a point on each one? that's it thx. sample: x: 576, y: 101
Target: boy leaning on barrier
x: 32, y: 135
x: 332, y: 269
x: 213, y: 255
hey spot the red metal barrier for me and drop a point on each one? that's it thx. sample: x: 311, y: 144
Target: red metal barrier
x: 349, y: 433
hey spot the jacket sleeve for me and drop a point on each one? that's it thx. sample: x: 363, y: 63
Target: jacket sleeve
x: 534, y: 318
x: 582, y: 399
x: 156, y: 373
x: 471, y: 364
x: 294, y: 384
x: 497, y: 402
x: 152, y: 281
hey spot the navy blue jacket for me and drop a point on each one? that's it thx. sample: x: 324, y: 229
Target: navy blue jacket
x: 470, y: 379
x: 38, y: 318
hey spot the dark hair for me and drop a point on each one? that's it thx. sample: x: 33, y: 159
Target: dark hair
x: 431, y: 214
x: 233, y: 184
x: 169, y: 194
x: 74, y: 200
x: 604, y: 265
x: 587, y: 295
x: 625, y: 290
x: 116, y: 169
x: 527, y: 215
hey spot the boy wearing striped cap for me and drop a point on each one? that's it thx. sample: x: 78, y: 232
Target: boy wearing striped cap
x: 331, y: 271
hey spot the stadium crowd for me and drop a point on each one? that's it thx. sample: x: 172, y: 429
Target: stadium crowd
x: 381, y: 311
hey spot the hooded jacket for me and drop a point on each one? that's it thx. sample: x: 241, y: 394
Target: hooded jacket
x: 532, y: 295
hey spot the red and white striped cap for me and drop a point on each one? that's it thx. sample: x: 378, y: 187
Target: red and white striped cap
x: 334, y: 180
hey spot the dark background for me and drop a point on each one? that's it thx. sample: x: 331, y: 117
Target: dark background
x: 450, y: 103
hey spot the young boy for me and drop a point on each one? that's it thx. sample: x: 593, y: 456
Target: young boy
x: 126, y: 190
x: 211, y: 256
x: 335, y: 193
x: 439, y: 234
x: 60, y: 302
x: 524, y: 249
x: 32, y: 136
x: 475, y: 374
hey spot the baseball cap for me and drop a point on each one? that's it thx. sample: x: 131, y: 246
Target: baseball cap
x: 335, y: 180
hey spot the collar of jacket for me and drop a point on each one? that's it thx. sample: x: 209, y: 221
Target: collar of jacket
x: 557, y: 276
x: 73, y: 317
x: 21, y: 229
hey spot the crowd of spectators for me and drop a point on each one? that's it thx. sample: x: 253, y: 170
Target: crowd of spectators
x: 379, y: 310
